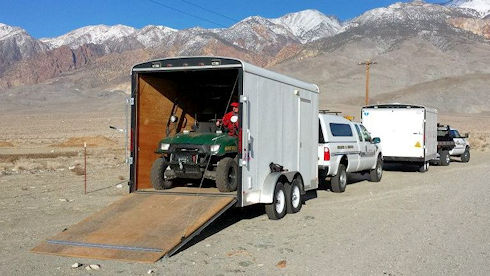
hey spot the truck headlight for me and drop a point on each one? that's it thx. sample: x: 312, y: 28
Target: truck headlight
x: 164, y: 146
x: 214, y: 148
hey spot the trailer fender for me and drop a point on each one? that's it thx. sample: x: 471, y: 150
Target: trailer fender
x: 270, y: 181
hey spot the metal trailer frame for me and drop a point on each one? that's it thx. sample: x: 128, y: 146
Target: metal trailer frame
x: 278, y: 116
x: 430, y: 131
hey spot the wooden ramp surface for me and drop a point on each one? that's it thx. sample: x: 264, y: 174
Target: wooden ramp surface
x: 141, y: 227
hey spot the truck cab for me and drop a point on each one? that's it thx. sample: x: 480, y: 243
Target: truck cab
x: 462, y: 145
x: 346, y: 147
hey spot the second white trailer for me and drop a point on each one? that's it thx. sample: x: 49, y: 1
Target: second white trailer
x: 408, y: 132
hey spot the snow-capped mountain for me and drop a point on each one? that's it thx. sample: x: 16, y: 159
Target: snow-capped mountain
x: 309, y: 25
x: 97, y: 34
x: 250, y: 33
x: 388, y: 26
x: 481, y: 6
x: 17, y: 44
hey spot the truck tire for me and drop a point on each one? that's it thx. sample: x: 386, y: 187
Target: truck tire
x: 465, y: 157
x: 444, y: 158
x: 424, y: 167
x: 294, y: 200
x: 376, y: 173
x: 158, y: 175
x: 339, y: 181
x: 277, y: 209
x: 227, y: 175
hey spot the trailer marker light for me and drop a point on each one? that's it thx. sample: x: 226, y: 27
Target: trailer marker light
x: 326, y: 154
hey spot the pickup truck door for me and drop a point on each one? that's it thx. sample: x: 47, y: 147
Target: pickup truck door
x: 459, y: 141
x: 367, y: 149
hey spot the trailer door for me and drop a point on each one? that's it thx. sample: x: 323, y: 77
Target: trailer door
x: 305, y: 146
x: 401, y: 130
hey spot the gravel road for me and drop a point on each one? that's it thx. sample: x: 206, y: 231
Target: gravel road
x: 410, y: 223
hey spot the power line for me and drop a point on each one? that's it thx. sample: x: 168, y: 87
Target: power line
x: 186, y: 13
x: 210, y: 11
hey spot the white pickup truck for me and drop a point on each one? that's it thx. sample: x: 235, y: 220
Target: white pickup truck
x: 462, y: 148
x: 346, y: 147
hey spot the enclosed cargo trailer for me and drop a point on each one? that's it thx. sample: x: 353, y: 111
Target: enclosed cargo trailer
x: 408, y: 132
x: 277, y: 157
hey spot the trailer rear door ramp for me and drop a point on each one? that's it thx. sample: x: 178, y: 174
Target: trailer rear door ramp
x: 141, y: 227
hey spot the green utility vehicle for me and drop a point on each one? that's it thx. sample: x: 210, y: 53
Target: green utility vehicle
x: 206, y: 151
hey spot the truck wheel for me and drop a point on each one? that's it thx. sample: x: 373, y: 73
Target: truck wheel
x: 424, y: 167
x: 376, y: 173
x: 227, y: 175
x: 339, y: 181
x: 444, y: 158
x: 294, y: 201
x: 465, y: 157
x: 277, y: 209
x: 158, y: 175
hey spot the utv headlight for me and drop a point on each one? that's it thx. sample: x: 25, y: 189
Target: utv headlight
x: 164, y: 146
x: 214, y: 148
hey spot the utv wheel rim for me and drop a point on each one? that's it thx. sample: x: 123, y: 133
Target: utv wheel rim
x: 280, y: 202
x: 448, y: 158
x: 295, y: 196
x: 379, y: 170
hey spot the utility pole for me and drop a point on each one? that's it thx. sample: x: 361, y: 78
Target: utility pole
x: 368, y: 65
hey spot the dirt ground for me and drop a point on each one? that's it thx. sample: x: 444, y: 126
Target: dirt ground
x: 409, y: 223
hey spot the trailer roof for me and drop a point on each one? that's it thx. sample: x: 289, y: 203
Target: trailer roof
x: 210, y: 62
x: 400, y: 105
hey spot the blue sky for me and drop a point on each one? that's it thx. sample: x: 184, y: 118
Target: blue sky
x: 49, y: 18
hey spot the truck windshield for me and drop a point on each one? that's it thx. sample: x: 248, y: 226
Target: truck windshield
x: 365, y: 134
x: 454, y: 133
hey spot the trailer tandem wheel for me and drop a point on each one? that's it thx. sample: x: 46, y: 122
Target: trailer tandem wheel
x: 294, y: 200
x: 277, y: 209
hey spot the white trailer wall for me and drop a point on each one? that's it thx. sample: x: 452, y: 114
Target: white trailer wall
x: 280, y: 115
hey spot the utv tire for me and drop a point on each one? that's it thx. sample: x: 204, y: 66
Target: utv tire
x: 339, y: 181
x: 277, y: 209
x: 158, y: 175
x: 227, y: 175
x: 376, y: 173
x: 294, y: 200
x: 465, y: 157
x: 444, y: 158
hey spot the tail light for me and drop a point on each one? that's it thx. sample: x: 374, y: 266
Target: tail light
x: 326, y: 154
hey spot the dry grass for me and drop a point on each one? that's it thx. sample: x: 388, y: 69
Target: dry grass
x: 12, y: 157
x: 78, y: 170
x: 5, y: 144
x: 480, y: 141
x: 92, y: 141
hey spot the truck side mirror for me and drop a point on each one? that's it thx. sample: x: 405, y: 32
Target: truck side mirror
x: 376, y: 140
x: 466, y: 135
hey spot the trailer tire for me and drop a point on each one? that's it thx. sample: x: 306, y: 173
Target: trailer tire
x: 465, y: 157
x: 158, y: 175
x: 376, y: 173
x: 424, y: 167
x: 227, y: 175
x: 277, y: 209
x: 294, y: 200
x: 444, y: 158
x: 339, y: 181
